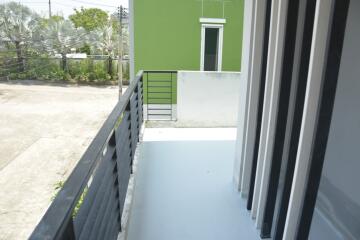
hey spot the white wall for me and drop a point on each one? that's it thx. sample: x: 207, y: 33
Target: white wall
x: 208, y: 99
x: 337, y: 214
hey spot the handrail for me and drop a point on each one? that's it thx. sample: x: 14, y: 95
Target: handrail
x: 57, y: 223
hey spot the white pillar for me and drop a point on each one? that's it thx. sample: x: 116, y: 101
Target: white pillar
x: 244, y: 85
x: 316, y: 68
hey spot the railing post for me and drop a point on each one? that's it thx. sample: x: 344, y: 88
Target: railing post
x: 147, y: 96
x: 171, y: 97
x: 140, y: 88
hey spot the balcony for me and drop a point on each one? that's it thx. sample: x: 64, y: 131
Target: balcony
x: 184, y: 187
x: 158, y: 180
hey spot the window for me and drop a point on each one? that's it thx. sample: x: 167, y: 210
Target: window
x: 211, y: 47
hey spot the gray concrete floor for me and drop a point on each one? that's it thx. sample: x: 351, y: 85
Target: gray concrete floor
x: 43, y: 132
x: 184, y: 188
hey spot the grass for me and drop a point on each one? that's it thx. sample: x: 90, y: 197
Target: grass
x: 59, y: 185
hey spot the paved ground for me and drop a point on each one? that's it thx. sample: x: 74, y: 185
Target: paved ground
x: 43, y: 132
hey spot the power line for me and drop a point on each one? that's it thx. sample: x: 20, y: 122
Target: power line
x: 64, y: 5
x: 96, y: 4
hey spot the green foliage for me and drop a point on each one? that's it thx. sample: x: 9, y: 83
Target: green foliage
x: 86, y: 71
x: 44, y: 22
x: 80, y: 202
x: 34, y: 45
x: 89, y: 18
x: 60, y: 36
x: 59, y: 185
x: 86, y: 48
x: 17, y: 22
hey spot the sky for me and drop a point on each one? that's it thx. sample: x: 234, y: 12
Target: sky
x: 65, y: 7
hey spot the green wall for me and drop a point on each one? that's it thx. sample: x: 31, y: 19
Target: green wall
x: 167, y: 33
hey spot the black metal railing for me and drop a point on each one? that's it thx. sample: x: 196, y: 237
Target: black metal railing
x: 160, y: 94
x: 90, y: 204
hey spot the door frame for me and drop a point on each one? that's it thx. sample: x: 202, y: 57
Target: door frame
x: 220, y: 44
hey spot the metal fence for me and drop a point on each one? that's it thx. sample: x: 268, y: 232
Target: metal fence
x: 36, y: 67
x: 160, y: 94
x: 90, y: 204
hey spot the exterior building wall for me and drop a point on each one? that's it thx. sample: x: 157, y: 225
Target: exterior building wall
x: 167, y: 33
x: 204, y: 108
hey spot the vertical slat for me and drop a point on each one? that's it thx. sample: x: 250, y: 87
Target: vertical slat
x: 171, y: 91
x: 147, y: 95
x: 259, y: 117
x: 322, y: 128
x: 140, y: 101
x: 282, y: 116
x: 287, y: 178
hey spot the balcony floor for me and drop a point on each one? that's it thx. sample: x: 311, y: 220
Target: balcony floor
x: 184, y: 188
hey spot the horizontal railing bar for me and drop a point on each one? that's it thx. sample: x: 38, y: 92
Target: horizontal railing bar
x: 91, y: 196
x: 111, y: 202
x: 157, y: 81
x: 159, y: 114
x: 149, y: 109
x: 158, y: 117
x: 98, y: 199
x: 160, y: 71
x: 162, y: 103
x: 159, y: 86
x: 150, y: 98
x: 109, y: 229
x: 161, y: 92
x: 55, y: 220
x: 157, y: 101
x: 97, y: 210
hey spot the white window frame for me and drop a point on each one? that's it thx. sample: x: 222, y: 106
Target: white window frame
x: 212, y: 20
x: 220, y: 44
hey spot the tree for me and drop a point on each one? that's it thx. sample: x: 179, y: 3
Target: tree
x: 106, y: 39
x: 17, y: 23
x: 60, y: 36
x: 90, y: 18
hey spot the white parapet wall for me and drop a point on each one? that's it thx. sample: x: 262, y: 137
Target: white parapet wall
x: 207, y: 99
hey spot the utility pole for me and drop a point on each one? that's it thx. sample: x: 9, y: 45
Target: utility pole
x: 120, y: 13
x: 49, y: 9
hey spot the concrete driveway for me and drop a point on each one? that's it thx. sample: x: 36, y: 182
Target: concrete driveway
x: 43, y: 132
